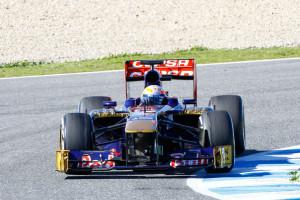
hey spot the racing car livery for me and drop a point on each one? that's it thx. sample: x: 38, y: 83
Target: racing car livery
x: 145, y: 134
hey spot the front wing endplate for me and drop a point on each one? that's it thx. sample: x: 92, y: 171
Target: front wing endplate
x: 62, y: 160
x: 223, y: 156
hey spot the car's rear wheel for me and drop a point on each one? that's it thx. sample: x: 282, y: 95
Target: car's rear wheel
x: 234, y: 106
x: 76, y: 134
x: 87, y: 104
x: 219, y: 128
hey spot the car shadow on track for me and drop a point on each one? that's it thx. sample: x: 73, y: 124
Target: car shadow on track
x: 137, y: 175
x: 248, y: 152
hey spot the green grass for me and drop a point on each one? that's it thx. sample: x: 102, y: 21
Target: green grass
x: 202, y: 55
x: 294, y: 176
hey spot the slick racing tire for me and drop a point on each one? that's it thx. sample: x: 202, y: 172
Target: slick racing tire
x: 76, y: 134
x: 234, y: 106
x: 219, y: 127
x: 87, y: 104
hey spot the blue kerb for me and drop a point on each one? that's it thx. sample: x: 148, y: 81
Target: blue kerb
x: 256, y: 189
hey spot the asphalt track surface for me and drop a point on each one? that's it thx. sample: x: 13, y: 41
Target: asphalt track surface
x: 31, y: 109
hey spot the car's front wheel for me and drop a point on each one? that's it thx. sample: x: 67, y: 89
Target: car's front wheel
x: 233, y: 104
x: 219, y: 128
x: 76, y: 134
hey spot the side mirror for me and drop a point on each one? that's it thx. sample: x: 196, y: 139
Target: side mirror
x: 109, y: 104
x: 130, y: 102
x: 189, y: 101
x: 173, y: 101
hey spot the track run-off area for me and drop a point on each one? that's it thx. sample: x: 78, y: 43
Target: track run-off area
x: 31, y: 109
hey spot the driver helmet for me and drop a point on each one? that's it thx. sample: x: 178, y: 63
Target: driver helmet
x: 154, y: 94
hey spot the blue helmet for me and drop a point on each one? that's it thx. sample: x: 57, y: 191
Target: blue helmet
x: 153, y: 94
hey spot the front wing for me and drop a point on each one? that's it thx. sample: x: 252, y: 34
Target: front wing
x: 81, y: 160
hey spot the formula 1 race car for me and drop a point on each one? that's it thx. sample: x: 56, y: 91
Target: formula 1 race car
x: 142, y: 135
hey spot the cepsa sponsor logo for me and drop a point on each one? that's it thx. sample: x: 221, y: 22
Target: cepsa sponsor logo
x: 167, y: 63
x: 170, y: 67
x: 87, y: 162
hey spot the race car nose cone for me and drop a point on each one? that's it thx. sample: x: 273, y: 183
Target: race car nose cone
x: 140, y: 126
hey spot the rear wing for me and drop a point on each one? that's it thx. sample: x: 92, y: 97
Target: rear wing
x: 176, y: 68
x: 182, y: 69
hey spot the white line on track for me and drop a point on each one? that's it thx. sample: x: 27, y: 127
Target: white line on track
x: 66, y: 74
x: 251, y: 61
x: 113, y: 71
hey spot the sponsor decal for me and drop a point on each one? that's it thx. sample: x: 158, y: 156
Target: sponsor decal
x: 170, y: 67
x: 167, y: 63
x: 136, y: 74
x: 87, y: 162
x: 169, y: 72
x: 197, y: 162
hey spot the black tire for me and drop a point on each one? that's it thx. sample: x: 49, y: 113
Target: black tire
x: 87, y: 104
x: 219, y: 127
x: 76, y: 134
x: 234, y: 106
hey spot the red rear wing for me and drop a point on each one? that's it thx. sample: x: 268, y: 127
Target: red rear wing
x: 176, y: 68
x: 184, y: 69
